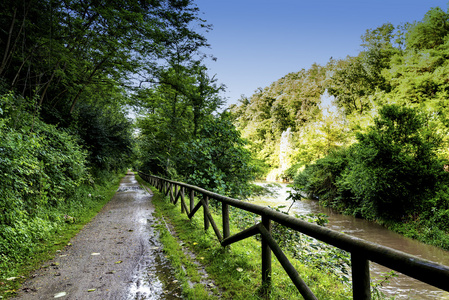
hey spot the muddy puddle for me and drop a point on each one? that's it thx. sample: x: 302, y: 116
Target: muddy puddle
x: 153, y: 277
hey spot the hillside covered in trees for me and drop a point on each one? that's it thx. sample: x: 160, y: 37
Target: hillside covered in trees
x: 369, y: 133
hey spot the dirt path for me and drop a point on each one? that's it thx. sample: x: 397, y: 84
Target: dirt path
x: 116, y: 256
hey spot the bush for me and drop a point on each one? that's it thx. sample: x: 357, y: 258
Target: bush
x: 393, y: 166
x: 388, y: 174
x: 319, y: 180
x: 217, y: 159
x: 40, y: 167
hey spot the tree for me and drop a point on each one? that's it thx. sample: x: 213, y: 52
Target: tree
x: 203, y: 95
x: 77, y: 60
x: 180, y: 99
x: 88, y: 43
x: 393, y: 165
x: 216, y: 159
x: 318, y: 139
x: 379, y: 49
x: 356, y: 78
x: 429, y: 33
x: 350, y: 84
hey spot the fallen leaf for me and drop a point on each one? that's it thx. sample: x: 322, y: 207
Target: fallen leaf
x: 95, y: 253
x: 195, y: 243
x: 239, y: 270
x: 201, y: 257
x: 119, y: 262
x: 54, y: 264
x: 91, y: 290
x: 175, y: 281
x: 154, y: 248
x: 69, y: 244
x: 11, y: 278
x: 61, y: 294
x: 64, y: 255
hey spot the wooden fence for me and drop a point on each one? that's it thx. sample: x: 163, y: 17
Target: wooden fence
x: 362, y: 252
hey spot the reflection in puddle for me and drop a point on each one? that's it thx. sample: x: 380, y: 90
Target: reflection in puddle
x: 153, y: 276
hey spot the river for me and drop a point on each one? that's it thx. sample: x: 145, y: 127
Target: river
x: 403, y: 287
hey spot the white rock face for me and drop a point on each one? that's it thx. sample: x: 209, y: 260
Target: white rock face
x: 285, y: 149
x: 284, y: 159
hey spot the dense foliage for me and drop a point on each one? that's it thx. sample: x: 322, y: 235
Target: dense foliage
x: 69, y: 73
x: 387, y: 173
x: 183, y: 137
x: 293, y: 101
x: 217, y: 159
x: 77, y: 62
x: 39, y: 170
x: 369, y: 133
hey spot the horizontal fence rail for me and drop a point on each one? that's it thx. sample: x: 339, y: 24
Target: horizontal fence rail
x: 362, y: 252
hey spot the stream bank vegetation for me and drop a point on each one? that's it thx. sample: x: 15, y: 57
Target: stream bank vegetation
x: 368, y: 133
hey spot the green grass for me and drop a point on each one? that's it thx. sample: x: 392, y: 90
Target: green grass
x: 236, y: 270
x: 83, y: 208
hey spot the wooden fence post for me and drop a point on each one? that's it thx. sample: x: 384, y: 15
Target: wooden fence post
x: 192, y: 200
x: 175, y: 194
x: 360, y: 277
x: 225, y: 217
x: 266, y: 259
x: 182, y: 200
x: 206, y: 220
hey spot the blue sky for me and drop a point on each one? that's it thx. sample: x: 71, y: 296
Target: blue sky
x: 257, y: 42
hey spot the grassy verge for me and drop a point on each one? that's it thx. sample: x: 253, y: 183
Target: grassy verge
x: 82, y: 207
x: 236, y: 270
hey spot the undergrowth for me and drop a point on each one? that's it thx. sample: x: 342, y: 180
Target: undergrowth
x: 35, y: 241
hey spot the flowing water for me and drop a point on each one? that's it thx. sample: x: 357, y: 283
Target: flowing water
x: 403, y: 287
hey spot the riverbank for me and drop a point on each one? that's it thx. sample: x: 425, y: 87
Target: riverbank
x: 422, y: 229
x: 402, y: 287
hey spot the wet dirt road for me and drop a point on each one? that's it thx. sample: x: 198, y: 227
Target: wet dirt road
x: 116, y: 256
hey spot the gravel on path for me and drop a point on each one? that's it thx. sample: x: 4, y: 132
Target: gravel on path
x: 116, y: 256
